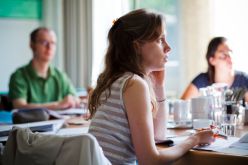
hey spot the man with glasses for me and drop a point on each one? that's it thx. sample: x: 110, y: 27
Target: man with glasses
x: 39, y: 84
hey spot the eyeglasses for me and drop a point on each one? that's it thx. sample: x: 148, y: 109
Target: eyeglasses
x: 224, y: 54
x: 45, y: 43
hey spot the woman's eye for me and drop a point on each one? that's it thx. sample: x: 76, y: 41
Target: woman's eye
x: 161, y: 40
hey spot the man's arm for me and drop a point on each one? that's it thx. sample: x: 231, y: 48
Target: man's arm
x: 69, y: 90
x: 68, y: 102
x: 22, y: 104
x: 190, y: 92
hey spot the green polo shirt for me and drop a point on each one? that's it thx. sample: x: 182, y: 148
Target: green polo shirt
x: 26, y: 84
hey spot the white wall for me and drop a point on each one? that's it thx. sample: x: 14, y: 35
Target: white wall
x: 14, y: 47
x: 14, y: 39
x: 230, y: 20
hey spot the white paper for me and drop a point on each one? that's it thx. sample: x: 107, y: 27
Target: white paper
x: 72, y: 131
x: 239, y: 147
x: 72, y: 111
x: 233, y: 151
x: 229, y: 146
x: 218, y: 144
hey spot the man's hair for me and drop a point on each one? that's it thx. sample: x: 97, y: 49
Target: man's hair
x: 34, y: 33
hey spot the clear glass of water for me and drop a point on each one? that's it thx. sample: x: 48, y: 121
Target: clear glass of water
x: 179, y: 115
x: 228, y: 124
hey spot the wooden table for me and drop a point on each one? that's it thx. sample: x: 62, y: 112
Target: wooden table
x: 194, y: 157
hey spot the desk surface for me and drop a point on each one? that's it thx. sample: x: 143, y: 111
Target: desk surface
x: 194, y: 157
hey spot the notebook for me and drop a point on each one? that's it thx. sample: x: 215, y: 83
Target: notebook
x: 48, y: 127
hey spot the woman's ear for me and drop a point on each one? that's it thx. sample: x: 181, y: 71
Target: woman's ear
x: 212, y: 61
x: 137, y: 47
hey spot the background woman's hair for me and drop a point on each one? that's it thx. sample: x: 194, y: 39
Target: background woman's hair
x: 212, y: 48
x: 138, y: 26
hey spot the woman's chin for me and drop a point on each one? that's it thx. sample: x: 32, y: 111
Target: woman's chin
x: 165, y: 60
x: 160, y: 68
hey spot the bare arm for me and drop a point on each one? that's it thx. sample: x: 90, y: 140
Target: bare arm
x: 159, y: 118
x: 246, y: 96
x: 139, y: 111
x: 68, y: 102
x: 190, y: 92
x: 159, y: 121
x: 177, y: 151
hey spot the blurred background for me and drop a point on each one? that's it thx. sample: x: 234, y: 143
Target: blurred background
x: 82, y: 25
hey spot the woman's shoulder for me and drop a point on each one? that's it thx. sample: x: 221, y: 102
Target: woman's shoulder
x: 241, y: 79
x: 132, y: 77
x: 241, y: 74
x: 135, y: 81
x: 201, y: 80
x: 203, y: 76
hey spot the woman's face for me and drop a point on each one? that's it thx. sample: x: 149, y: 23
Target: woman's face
x: 222, y: 58
x: 154, y: 54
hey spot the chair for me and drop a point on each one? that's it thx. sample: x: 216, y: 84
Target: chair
x: 25, y: 147
x: 5, y: 102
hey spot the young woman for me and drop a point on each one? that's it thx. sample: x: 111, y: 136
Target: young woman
x: 220, y: 70
x: 128, y: 104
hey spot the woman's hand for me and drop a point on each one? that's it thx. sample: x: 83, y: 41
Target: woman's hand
x: 157, y: 78
x: 158, y: 83
x: 204, y: 137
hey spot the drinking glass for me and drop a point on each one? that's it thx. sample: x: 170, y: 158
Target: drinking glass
x: 228, y: 124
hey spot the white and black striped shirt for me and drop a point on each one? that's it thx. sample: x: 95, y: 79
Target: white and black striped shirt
x: 111, y: 128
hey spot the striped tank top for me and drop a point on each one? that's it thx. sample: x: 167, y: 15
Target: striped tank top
x: 111, y: 128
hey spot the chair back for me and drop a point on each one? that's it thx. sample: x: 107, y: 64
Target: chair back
x: 26, y: 147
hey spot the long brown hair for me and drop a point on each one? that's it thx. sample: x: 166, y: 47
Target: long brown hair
x: 212, y: 48
x: 122, y: 55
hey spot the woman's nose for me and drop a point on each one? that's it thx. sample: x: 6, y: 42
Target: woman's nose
x: 229, y: 58
x: 166, y: 47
